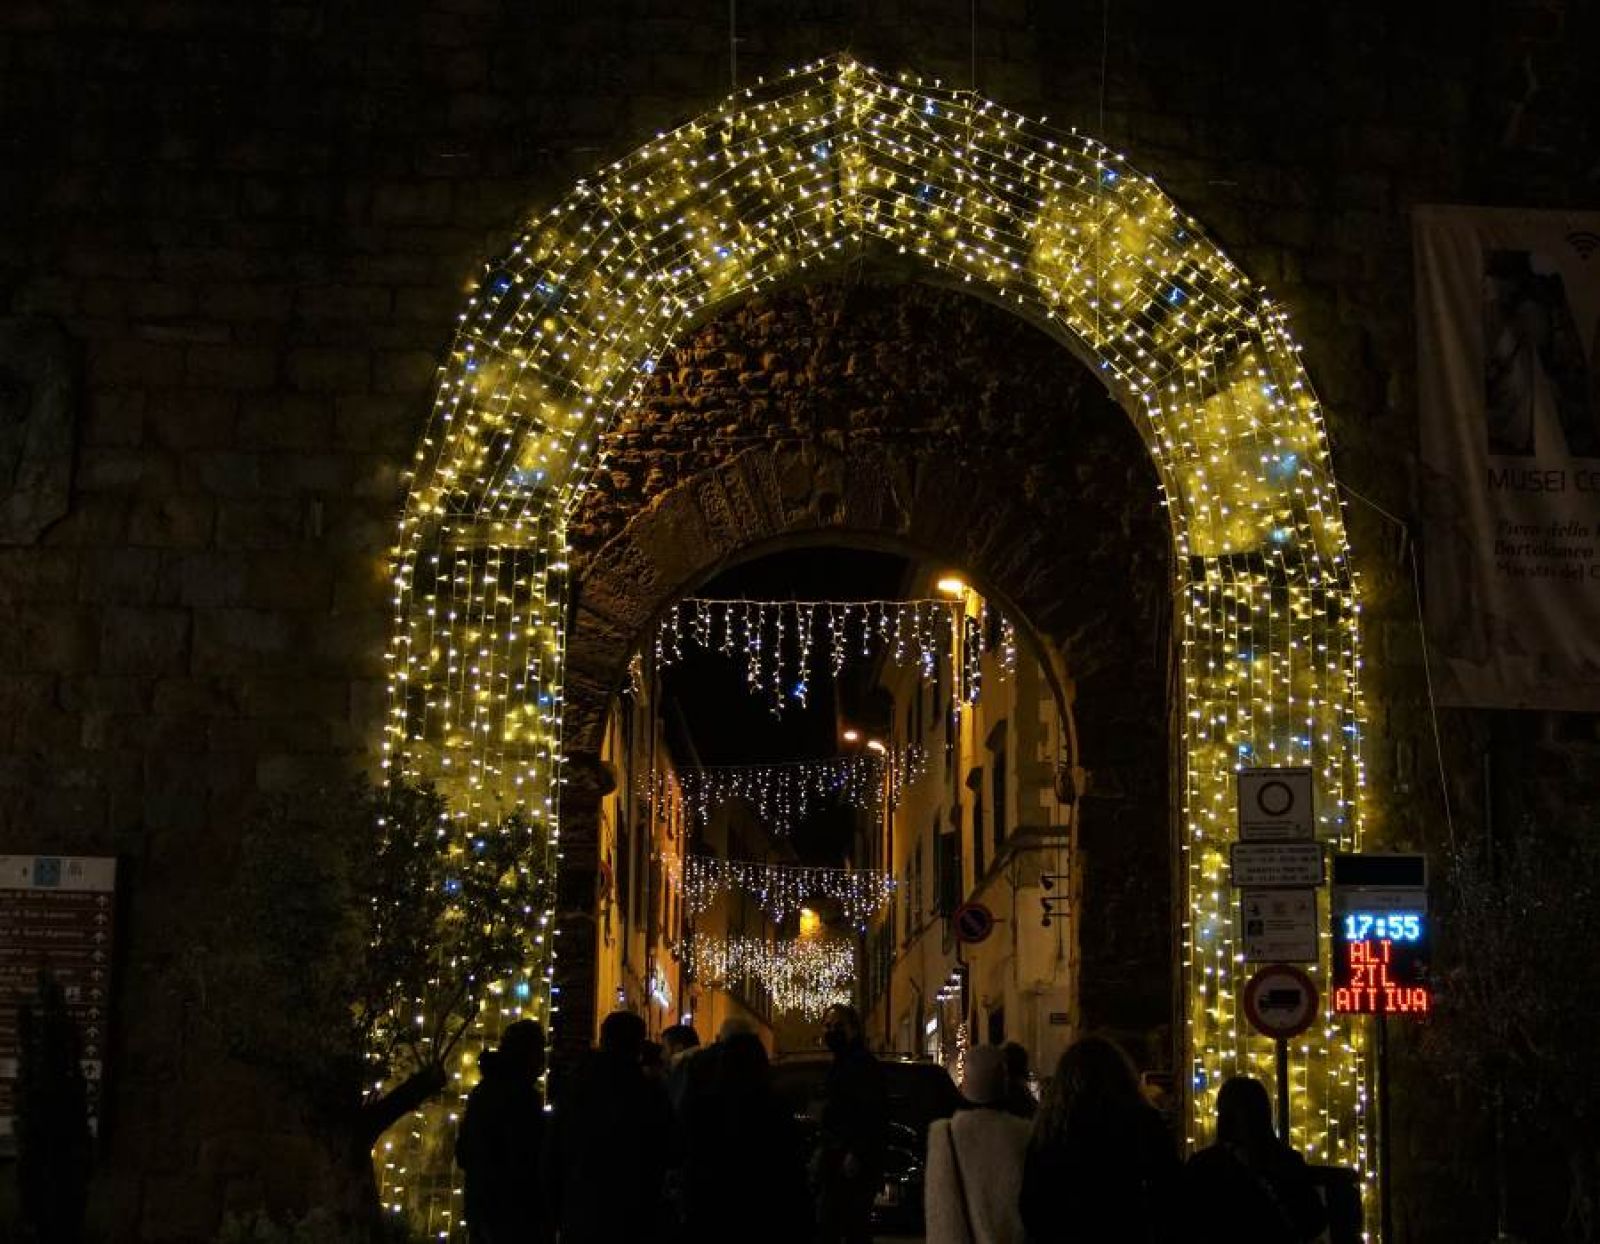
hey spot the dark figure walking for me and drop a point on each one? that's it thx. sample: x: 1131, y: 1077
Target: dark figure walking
x: 744, y: 1173
x: 847, y: 1168
x: 501, y: 1137
x: 1249, y: 1187
x: 1019, y: 1098
x: 1101, y: 1168
x: 609, y: 1141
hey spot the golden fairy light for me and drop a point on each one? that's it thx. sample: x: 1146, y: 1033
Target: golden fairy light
x: 781, y: 180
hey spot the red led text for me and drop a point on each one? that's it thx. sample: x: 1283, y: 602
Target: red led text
x: 1367, y: 985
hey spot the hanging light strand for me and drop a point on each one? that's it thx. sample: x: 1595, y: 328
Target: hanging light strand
x: 782, y: 889
x: 805, y: 975
x: 784, y: 794
x: 783, y: 642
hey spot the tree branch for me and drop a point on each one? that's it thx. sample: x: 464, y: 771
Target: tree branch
x: 378, y: 1116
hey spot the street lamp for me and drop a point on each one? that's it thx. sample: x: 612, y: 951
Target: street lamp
x: 950, y: 585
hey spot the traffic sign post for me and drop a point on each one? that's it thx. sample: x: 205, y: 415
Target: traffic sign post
x: 1380, y: 961
x: 973, y: 922
x: 1280, y: 1001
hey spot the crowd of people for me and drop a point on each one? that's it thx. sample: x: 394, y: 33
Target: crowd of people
x: 690, y: 1142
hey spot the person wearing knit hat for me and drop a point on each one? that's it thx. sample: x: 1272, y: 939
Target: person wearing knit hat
x: 974, y: 1166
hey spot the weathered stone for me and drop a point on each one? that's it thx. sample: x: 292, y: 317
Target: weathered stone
x: 144, y: 640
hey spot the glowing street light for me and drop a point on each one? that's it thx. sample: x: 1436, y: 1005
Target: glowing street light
x: 951, y: 586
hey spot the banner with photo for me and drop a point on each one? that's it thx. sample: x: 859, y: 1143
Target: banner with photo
x: 1508, y: 372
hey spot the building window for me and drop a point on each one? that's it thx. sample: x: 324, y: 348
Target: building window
x: 947, y: 871
x: 975, y: 785
x: 997, y: 787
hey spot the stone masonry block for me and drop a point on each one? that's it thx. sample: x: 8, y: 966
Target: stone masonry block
x: 319, y: 369
x: 49, y: 638
x: 172, y: 522
x: 289, y: 580
x: 37, y: 574
x: 273, y: 523
x: 114, y: 417
x: 202, y: 579
x: 230, y: 640
x: 231, y: 366
x: 296, y: 421
x: 124, y: 362
x: 411, y: 203
x: 144, y: 640
x: 118, y: 576
x: 405, y: 371
x: 191, y: 418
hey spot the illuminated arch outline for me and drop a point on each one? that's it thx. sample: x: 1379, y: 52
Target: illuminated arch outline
x: 787, y: 176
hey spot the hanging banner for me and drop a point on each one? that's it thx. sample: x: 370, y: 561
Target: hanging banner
x: 1508, y: 371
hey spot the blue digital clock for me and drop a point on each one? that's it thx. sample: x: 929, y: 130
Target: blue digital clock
x: 1392, y: 926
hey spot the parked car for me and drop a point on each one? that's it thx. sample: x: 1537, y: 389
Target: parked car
x: 919, y: 1092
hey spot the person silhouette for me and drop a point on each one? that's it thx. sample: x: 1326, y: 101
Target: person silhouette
x: 501, y: 1136
x: 1249, y: 1187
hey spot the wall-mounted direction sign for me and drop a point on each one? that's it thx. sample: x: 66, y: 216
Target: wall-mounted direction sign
x: 1280, y: 1001
x: 1278, y: 926
x: 1275, y: 865
x: 57, y: 915
x: 1276, y: 805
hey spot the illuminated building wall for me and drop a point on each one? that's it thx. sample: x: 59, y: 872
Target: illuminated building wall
x: 780, y: 180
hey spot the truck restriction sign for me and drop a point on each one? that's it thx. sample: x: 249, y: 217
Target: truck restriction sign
x: 1280, y: 1001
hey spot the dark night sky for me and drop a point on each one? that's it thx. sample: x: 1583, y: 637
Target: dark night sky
x: 729, y: 726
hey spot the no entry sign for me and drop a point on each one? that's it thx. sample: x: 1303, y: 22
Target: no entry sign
x: 1280, y: 1001
x: 973, y: 922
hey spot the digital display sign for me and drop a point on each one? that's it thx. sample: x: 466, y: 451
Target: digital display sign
x: 1380, y: 963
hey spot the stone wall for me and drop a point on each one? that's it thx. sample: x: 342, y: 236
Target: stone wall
x: 255, y: 223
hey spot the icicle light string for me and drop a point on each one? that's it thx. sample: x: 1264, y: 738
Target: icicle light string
x: 778, y: 639
x: 805, y: 975
x: 783, y: 795
x: 783, y: 889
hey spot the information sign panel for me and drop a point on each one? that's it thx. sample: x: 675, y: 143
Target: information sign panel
x: 1278, y: 926
x: 1380, y: 962
x: 1380, y: 935
x: 1275, y: 865
x: 57, y: 915
x: 1276, y: 805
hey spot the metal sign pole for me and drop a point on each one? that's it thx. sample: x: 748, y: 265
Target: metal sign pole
x: 1283, y: 1089
x: 1385, y: 1153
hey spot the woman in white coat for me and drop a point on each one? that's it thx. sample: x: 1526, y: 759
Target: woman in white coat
x: 974, y: 1166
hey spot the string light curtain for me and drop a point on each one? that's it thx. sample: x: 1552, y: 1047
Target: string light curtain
x: 784, y: 794
x: 805, y: 975
x: 782, y: 889
x: 785, y: 178
x: 785, y: 644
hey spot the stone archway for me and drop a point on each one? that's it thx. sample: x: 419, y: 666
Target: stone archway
x: 864, y: 411
x: 834, y: 161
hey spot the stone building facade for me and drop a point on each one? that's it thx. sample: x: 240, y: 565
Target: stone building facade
x: 233, y: 243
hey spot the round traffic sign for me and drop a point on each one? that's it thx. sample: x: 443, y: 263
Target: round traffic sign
x: 1280, y: 1001
x: 973, y: 922
x: 1274, y: 797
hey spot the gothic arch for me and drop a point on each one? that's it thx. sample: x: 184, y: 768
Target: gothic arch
x: 778, y: 181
